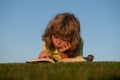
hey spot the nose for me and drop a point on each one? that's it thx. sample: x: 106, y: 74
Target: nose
x: 58, y: 41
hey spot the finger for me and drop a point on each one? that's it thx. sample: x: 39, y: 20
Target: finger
x: 43, y: 54
x: 69, y: 45
x: 66, y: 46
x: 49, y: 55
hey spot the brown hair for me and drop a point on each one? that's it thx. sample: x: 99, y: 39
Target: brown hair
x: 67, y: 27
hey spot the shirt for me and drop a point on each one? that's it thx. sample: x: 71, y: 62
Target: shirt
x: 56, y: 55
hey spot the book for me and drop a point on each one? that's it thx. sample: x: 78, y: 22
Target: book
x: 49, y: 60
x: 45, y: 60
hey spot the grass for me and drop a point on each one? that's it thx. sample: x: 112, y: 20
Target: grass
x: 61, y: 71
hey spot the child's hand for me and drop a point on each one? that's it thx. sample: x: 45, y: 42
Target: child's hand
x: 65, y: 47
x: 44, y: 54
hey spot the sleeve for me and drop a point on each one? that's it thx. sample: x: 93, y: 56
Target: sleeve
x: 44, y: 47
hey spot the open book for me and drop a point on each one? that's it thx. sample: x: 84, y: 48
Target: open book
x: 49, y: 60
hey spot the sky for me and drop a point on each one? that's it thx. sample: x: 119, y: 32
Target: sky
x: 22, y: 23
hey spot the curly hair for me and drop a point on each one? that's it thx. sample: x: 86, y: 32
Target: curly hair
x: 66, y: 27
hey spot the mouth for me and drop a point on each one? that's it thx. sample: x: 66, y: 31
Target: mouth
x: 58, y: 47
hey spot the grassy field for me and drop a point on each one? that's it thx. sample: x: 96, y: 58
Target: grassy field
x: 60, y: 71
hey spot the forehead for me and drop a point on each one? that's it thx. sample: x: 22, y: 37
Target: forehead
x: 63, y: 37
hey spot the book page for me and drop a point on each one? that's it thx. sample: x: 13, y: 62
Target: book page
x: 41, y: 60
x: 78, y: 59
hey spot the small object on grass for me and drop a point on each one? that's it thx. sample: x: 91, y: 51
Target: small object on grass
x: 89, y: 58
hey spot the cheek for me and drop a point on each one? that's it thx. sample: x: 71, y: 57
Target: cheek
x: 53, y: 40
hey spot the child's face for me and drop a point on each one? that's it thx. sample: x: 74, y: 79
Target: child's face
x: 60, y: 44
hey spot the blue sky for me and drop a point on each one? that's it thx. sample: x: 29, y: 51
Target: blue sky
x: 22, y: 22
